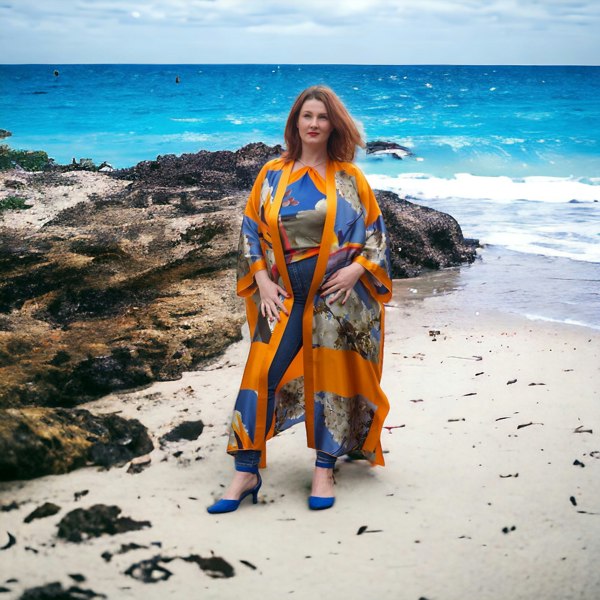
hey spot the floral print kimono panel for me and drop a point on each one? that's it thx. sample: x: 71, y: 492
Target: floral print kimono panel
x: 333, y: 383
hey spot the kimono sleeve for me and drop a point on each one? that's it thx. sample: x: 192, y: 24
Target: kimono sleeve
x: 375, y: 255
x: 251, y: 258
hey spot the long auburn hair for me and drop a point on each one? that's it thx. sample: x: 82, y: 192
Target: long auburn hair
x: 344, y: 136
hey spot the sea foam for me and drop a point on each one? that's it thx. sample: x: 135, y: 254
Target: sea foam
x: 500, y: 188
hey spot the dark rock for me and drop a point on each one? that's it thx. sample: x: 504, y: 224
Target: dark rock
x: 380, y: 148
x: 60, y: 358
x: 150, y: 570
x: 99, y: 375
x: 107, y: 556
x: 39, y: 441
x: 55, y: 591
x: 138, y: 465
x: 213, y: 566
x: 45, y: 510
x: 8, y: 507
x: 421, y: 238
x: 4, y: 133
x: 95, y: 521
x: 78, y: 577
x: 12, y: 540
x: 188, y: 430
x: 128, y: 438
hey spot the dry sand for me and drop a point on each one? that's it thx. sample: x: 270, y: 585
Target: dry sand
x: 480, y: 498
x: 49, y: 194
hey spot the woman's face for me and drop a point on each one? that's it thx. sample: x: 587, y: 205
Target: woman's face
x: 314, y: 125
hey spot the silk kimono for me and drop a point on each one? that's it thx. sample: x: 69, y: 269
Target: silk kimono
x: 333, y: 383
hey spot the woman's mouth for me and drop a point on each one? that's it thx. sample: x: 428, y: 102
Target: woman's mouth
x: 313, y: 133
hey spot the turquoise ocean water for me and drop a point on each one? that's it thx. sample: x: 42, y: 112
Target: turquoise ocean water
x: 513, y: 153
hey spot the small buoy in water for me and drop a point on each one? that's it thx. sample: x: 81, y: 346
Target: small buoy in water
x: 177, y: 80
x: 56, y: 73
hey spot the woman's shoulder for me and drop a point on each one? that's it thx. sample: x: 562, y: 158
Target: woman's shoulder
x: 275, y: 164
x: 350, y: 168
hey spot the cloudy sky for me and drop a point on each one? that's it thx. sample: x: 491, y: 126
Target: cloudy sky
x: 301, y: 31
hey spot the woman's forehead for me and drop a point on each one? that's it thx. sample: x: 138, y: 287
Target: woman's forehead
x: 314, y: 105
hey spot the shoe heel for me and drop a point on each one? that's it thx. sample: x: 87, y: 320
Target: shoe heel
x: 256, y: 489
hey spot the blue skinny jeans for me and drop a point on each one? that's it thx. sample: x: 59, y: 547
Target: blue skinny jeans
x: 301, y: 273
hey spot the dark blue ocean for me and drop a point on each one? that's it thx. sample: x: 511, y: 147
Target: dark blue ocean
x: 513, y: 153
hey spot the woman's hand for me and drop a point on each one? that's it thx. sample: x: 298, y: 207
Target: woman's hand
x: 342, y: 282
x: 270, y: 302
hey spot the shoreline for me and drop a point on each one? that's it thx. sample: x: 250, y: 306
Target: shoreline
x: 489, y: 415
x: 500, y: 281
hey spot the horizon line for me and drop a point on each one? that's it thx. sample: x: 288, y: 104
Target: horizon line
x: 251, y: 64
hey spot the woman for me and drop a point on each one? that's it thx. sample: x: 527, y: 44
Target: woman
x: 314, y: 271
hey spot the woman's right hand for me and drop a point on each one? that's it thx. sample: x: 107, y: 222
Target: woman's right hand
x: 270, y: 292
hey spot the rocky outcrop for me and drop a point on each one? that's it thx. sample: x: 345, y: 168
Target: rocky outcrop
x: 215, y: 173
x: 40, y: 441
x: 421, y: 237
x: 85, y: 523
x: 136, y: 284
x: 380, y: 148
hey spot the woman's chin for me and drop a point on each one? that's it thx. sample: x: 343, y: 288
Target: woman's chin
x: 314, y: 142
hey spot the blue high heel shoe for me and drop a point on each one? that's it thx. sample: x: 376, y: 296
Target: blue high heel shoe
x: 318, y: 502
x: 225, y: 506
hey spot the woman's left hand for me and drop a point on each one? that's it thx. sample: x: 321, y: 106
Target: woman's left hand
x: 342, y: 282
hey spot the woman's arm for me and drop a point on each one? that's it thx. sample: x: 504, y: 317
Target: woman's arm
x: 375, y: 255
x: 250, y: 253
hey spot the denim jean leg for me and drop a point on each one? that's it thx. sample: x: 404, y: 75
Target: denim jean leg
x: 247, y: 460
x: 290, y: 345
x: 324, y: 460
x: 300, y: 274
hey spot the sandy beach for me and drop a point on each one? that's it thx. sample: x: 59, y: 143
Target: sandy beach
x: 491, y: 489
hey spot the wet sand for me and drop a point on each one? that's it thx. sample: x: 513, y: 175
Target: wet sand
x: 491, y: 489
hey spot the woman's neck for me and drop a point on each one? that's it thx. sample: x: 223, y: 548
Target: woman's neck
x: 313, y: 158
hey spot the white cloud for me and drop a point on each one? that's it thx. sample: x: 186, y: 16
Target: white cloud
x: 304, y: 28
x: 376, y: 31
